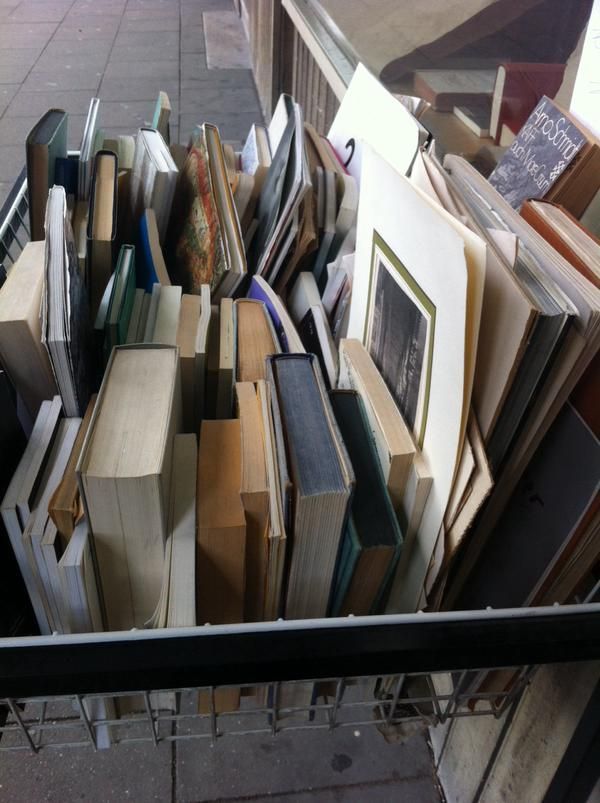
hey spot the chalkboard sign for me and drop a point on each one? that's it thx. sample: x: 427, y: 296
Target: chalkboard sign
x: 538, y: 156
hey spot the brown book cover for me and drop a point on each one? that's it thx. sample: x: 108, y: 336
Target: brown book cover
x: 256, y: 339
x: 65, y: 507
x: 221, y: 538
x: 553, y: 236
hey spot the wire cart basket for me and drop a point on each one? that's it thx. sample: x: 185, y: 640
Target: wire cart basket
x: 98, y: 689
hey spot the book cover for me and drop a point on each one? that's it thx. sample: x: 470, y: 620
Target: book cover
x: 545, y: 146
x: 519, y: 87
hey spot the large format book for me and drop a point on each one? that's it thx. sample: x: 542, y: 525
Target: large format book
x: 64, y: 507
x: 153, y: 179
x: 518, y: 89
x: 372, y: 541
x: 255, y: 498
x: 554, y: 157
x: 102, y: 225
x: 555, y: 492
x: 205, y: 235
x: 322, y: 480
x: 221, y: 539
x: 20, y: 497
x: 86, y: 150
x: 124, y: 474
x: 21, y: 349
x: 420, y: 323
x: 46, y: 142
x: 65, y: 319
x: 445, y: 89
x: 256, y: 339
x: 523, y: 332
x: 561, y: 368
x: 150, y: 265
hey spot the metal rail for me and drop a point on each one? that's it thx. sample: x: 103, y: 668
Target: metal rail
x: 282, y: 651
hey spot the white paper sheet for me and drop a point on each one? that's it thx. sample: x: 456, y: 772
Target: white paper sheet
x: 370, y: 114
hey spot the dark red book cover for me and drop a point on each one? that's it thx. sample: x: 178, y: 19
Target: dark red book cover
x: 519, y: 87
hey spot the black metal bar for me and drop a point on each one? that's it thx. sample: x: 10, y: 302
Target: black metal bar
x: 216, y: 655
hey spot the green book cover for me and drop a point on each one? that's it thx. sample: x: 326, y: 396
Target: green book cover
x: 372, y: 539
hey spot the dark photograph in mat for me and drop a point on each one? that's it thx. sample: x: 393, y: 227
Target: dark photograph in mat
x: 399, y: 334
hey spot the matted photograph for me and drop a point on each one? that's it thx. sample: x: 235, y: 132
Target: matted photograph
x: 399, y: 335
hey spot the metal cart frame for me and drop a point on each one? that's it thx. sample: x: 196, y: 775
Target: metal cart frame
x: 60, y: 691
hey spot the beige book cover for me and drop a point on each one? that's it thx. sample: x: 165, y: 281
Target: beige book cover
x: 21, y: 350
x: 124, y: 473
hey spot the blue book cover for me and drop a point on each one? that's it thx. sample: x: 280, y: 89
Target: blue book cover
x: 146, y: 275
x: 257, y: 292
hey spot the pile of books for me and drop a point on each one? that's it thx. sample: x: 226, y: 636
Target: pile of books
x: 327, y: 375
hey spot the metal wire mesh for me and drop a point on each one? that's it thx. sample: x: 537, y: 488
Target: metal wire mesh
x: 14, y: 226
x: 192, y: 714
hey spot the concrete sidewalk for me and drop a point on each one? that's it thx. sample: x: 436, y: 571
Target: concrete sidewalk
x: 59, y: 53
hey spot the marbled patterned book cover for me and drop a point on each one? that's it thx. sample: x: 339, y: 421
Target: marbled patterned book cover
x: 199, y: 248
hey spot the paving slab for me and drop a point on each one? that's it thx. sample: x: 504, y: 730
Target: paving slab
x: 128, y: 53
x: 5, y: 188
x: 161, y: 24
x: 139, y: 773
x: 196, y: 78
x: 297, y: 762
x: 12, y: 159
x: 37, y: 103
x: 165, y: 70
x: 220, y: 100
x: 132, y: 89
x: 64, y: 79
x: 192, y: 38
x: 70, y: 61
x: 78, y: 47
x: 231, y: 126
x: 87, y: 29
x: 25, y: 35
x: 7, y: 93
x: 154, y: 39
x: 409, y: 791
x: 40, y: 12
x: 126, y: 114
